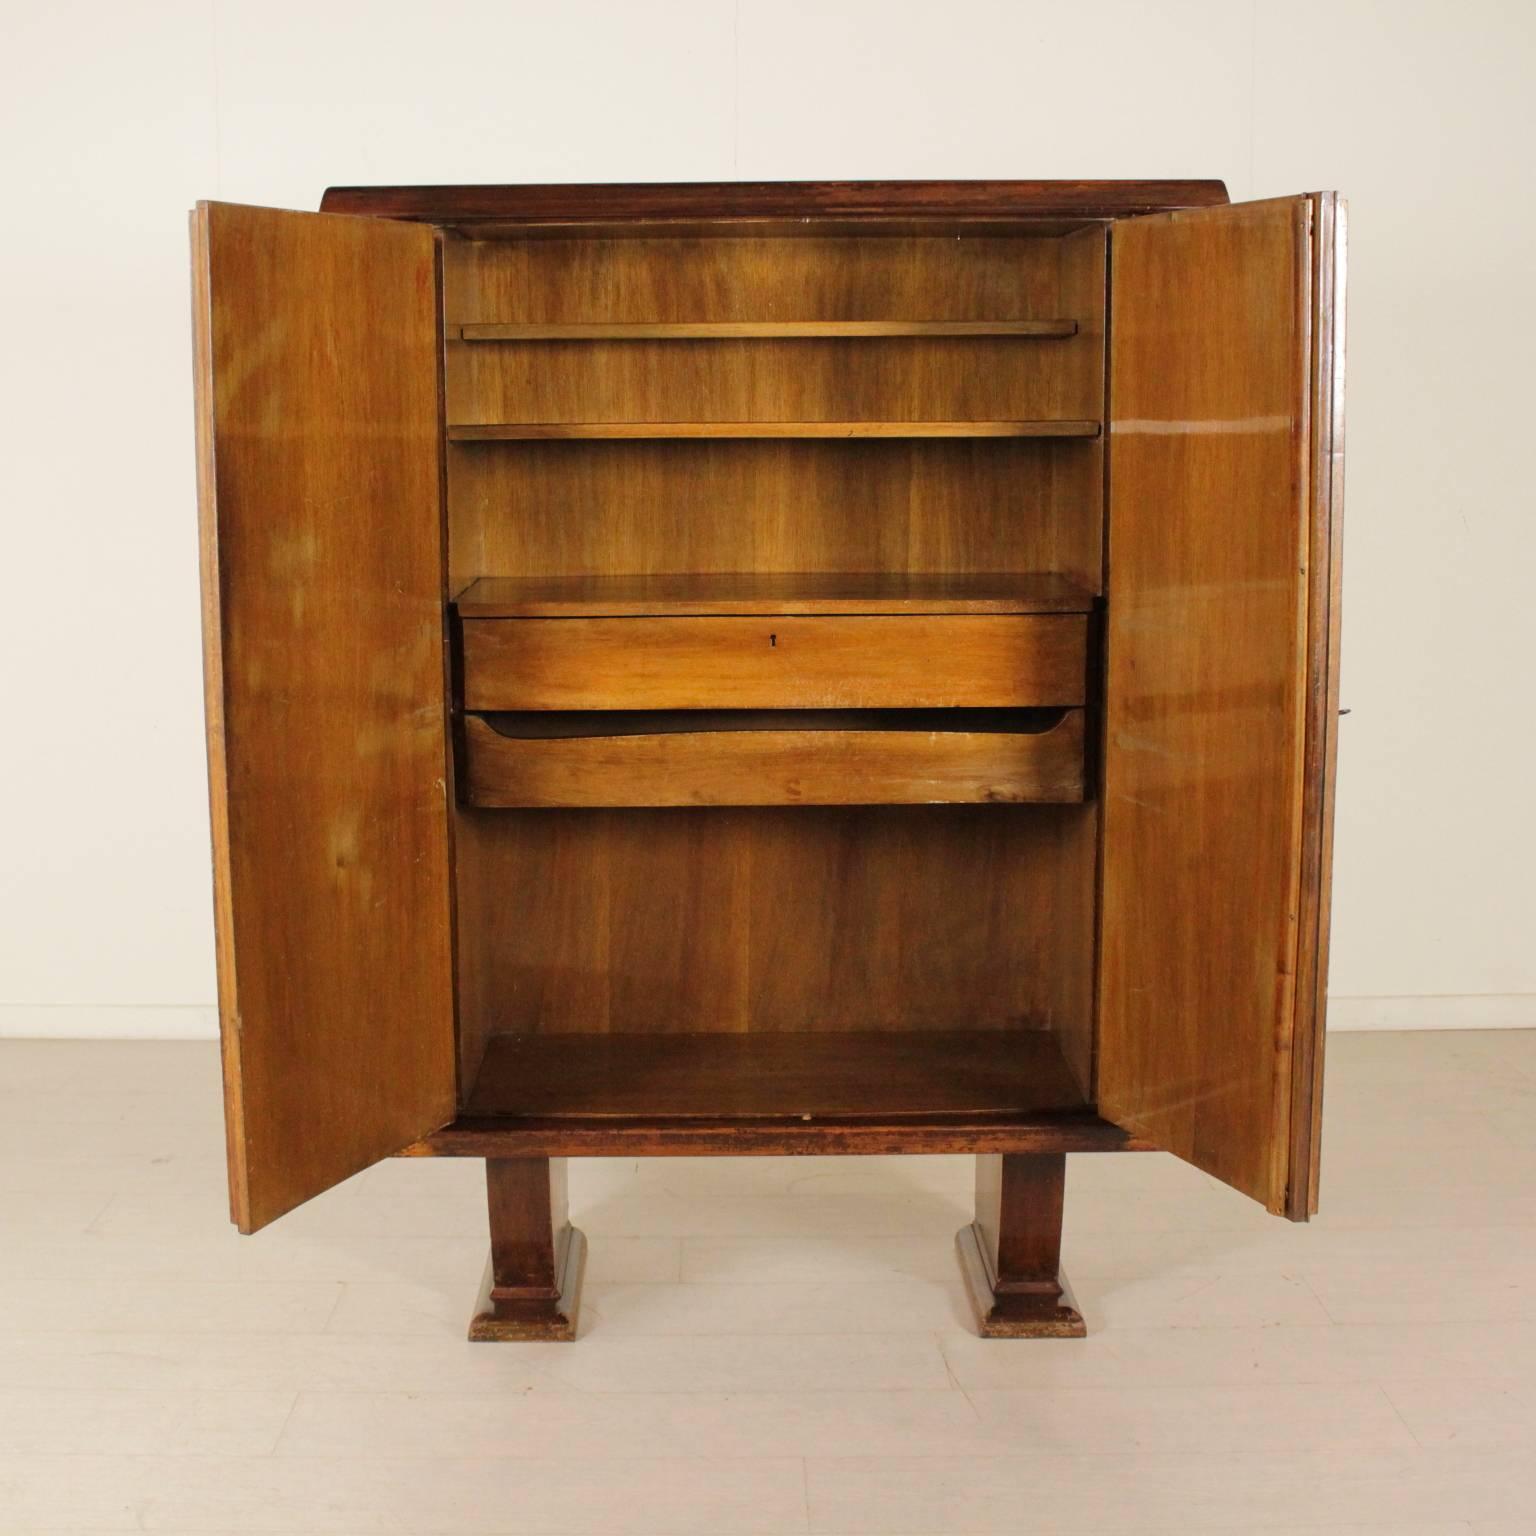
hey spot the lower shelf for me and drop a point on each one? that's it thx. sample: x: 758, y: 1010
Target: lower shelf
x: 690, y: 758
x: 783, y: 1077
x: 1073, y: 1130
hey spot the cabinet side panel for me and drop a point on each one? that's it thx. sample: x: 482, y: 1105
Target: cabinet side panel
x: 1208, y: 686
x: 1076, y: 523
x: 318, y: 347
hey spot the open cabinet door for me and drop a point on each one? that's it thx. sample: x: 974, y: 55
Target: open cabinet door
x: 319, y: 475
x: 1221, y: 697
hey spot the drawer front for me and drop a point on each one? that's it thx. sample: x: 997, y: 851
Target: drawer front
x: 774, y: 767
x: 777, y: 662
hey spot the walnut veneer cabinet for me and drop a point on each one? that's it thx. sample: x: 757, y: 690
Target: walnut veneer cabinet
x: 771, y: 669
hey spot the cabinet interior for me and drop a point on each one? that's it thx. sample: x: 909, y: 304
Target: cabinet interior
x: 868, y: 464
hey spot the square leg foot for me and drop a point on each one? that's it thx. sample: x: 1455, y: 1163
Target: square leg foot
x: 1036, y: 1309
x: 504, y: 1318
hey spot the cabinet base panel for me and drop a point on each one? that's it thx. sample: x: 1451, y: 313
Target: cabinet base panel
x: 1046, y: 1311
x: 547, y: 1320
x: 775, y: 1076
x: 652, y: 1136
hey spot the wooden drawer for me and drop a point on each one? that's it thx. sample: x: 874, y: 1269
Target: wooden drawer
x: 674, y: 765
x: 941, y: 661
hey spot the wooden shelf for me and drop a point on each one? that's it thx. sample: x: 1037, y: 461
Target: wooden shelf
x: 648, y: 1136
x: 771, y: 1076
x: 506, y: 431
x: 771, y: 330
x: 677, y: 595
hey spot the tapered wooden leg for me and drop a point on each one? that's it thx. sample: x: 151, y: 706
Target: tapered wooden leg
x: 533, y: 1279
x: 1011, y: 1254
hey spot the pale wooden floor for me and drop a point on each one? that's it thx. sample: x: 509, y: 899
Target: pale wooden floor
x: 770, y: 1345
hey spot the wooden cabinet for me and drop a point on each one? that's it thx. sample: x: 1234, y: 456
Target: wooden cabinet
x: 771, y: 669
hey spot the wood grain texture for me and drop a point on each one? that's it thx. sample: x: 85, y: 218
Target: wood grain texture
x: 775, y: 767
x: 532, y: 1290
x: 776, y: 662
x: 775, y: 504
x: 1010, y: 1256
x: 561, y: 431
x: 214, y: 722
x: 506, y: 1136
x: 736, y: 330
x: 1210, y: 796
x: 598, y: 280
x: 881, y: 507
x: 677, y: 594
x: 777, y: 1076
x: 760, y: 378
x: 1325, y: 574
x: 798, y: 919
x: 316, y: 341
x: 851, y: 227
x: 642, y: 202
x: 733, y: 923
x: 1071, y: 538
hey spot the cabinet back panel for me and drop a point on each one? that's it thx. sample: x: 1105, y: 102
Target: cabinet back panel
x: 890, y: 378
x: 642, y: 508
x: 692, y: 280
x: 798, y: 919
x: 573, y: 281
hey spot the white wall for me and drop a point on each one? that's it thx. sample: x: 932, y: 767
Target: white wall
x: 115, y: 118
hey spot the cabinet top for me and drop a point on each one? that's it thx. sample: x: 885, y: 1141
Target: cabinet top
x: 816, y: 201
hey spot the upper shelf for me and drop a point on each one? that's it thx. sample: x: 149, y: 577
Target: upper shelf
x: 770, y: 592
x: 524, y: 430
x: 780, y: 330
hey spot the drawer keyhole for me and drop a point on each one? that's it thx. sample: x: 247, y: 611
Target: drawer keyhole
x: 773, y: 640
